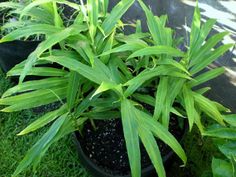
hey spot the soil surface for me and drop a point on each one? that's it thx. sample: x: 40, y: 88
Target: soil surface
x: 105, y: 146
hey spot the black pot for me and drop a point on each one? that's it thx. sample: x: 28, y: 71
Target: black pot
x: 14, y: 52
x: 97, y: 171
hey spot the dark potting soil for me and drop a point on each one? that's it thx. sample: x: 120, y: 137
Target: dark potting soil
x: 106, y: 147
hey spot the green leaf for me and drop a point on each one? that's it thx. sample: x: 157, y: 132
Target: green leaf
x: 162, y: 133
x: 221, y: 168
x: 195, y: 28
x: 146, y: 75
x: 117, y: 12
x: 230, y: 119
x: 221, y: 132
x: 209, y: 108
x: 61, y: 127
x: 85, y: 103
x: 206, y: 76
x: 131, y: 46
x: 107, y: 86
x: 94, y: 74
x: 172, y: 62
x: 73, y: 89
x: 58, y: 22
x: 147, y: 99
x: 205, y: 29
x: 157, y: 50
x: 29, y: 30
x: 138, y: 26
x: 206, y: 48
x: 161, y: 95
x: 44, y: 120
x: 45, y: 45
x: 156, y: 26
x: 43, y: 2
x: 189, y: 105
x: 108, y: 47
x: 104, y: 6
x: 152, y: 149
x: 12, y: 5
x: 35, y: 85
x: 39, y: 71
x: 131, y: 136
x: 92, y: 6
x: 210, y: 57
x: 106, y: 115
x: 110, y: 22
x: 33, y: 99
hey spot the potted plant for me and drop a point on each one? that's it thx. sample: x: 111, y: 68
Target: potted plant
x: 135, y: 83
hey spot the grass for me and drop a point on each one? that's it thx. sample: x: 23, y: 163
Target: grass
x: 60, y: 161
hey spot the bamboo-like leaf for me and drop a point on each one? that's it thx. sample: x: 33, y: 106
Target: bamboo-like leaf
x: 221, y: 132
x: 189, y: 105
x: 173, y: 91
x: 161, y: 95
x: 203, y: 90
x: 73, y: 89
x: 44, y: 120
x: 33, y: 99
x: 157, y: 50
x: 230, y: 119
x: 144, y: 76
x: 108, y: 47
x: 209, y: 108
x: 221, y: 168
x: 107, y: 86
x: 206, y: 48
x: 162, y: 133
x: 206, y: 76
x: 205, y: 29
x: 35, y: 85
x: 147, y: 99
x: 93, y: 12
x: 42, y: 2
x: 131, y: 136
x: 12, y: 5
x: 94, y: 74
x: 210, y: 58
x: 195, y: 28
x: 138, y: 27
x: 115, y: 15
x: 131, y: 46
x: 111, y: 20
x: 47, y: 44
x: 39, y: 71
x: 61, y: 127
x: 173, y: 63
x: 58, y: 22
x: 156, y: 27
x: 87, y: 101
x: 152, y: 149
x: 221, y: 108
x: 29, y: 30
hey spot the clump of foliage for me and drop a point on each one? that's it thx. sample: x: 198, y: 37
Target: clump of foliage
x: 106, y: 73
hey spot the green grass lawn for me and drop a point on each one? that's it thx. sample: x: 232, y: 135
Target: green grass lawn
x: 60, y: 161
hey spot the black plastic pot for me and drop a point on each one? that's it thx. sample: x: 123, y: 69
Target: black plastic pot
x: 97, y: 171
x: 14, y: 52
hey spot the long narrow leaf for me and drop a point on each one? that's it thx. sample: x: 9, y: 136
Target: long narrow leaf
x: 131, y: 136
